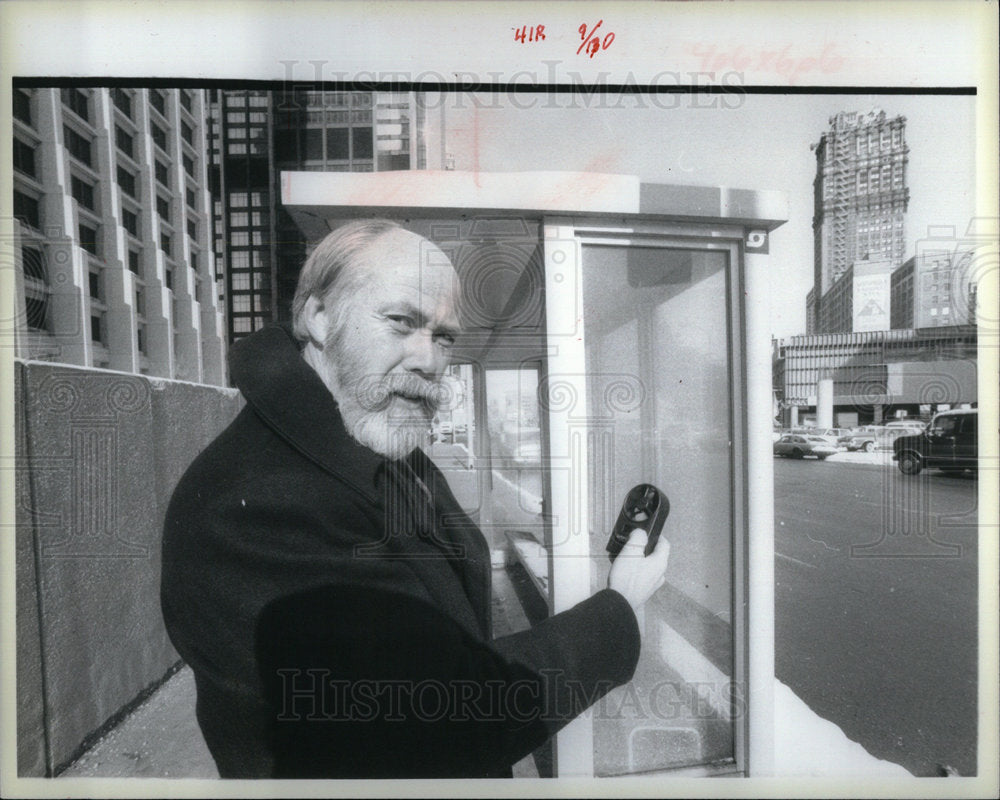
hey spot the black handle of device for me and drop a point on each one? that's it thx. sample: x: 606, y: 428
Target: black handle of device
x: 644, y: 507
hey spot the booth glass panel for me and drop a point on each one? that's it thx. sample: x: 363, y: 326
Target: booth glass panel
x: 658, y: 350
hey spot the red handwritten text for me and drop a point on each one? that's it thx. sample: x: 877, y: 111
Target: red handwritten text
x: 534, y: 33
x: 592, y: 41
x: 781, y: 61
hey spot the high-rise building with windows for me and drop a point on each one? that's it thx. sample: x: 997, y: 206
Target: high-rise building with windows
x: 113, y: 233
x: 933, y: 289
x: 860, y: 198
x: 255, y: 135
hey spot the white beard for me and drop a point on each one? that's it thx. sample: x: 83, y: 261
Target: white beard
x: 393, y: 432
x: 374, y: 412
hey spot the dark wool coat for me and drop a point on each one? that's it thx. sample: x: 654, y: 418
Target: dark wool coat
x: 339, y: 627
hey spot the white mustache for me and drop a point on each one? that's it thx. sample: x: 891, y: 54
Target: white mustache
x: 375, y: 393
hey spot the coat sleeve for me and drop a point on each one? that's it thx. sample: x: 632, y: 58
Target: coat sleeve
x: 364, y: 682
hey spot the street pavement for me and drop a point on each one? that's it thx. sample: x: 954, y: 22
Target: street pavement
x: 876, y: 604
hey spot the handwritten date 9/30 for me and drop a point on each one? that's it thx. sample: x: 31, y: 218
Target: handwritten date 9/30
x: 591, y: 41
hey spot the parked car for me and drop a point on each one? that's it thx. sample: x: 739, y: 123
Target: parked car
x: 844, y: 439
x: 906, y: 422
x: 949, y: 442
x: 798, y: 445
x: 832, y: 435
x: 880, y: 438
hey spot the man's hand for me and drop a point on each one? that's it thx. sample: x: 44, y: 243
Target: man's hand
x: 636, y: 577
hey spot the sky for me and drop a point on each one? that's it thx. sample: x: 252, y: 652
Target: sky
x: 761, y: 143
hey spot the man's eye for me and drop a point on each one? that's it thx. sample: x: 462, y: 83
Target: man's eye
x: 400, y: 322
x: 444, y: 339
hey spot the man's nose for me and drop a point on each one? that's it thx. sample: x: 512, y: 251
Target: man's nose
x: 423, y: 356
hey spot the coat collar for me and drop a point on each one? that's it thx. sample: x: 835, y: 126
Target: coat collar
x: 268, y: 368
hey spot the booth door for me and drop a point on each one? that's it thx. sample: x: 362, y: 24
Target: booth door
x: 644, y: 386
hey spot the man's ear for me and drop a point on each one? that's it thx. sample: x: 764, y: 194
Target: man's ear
x: 317, y: 321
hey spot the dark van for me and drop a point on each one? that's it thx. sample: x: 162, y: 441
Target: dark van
x: 949, y: 443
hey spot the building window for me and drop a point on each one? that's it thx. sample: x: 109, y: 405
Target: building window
x: 140, y: 338
x: 159, y: 136
x: 241, y: 304
x: 236, y: 149
x: 192, y: 228
x: 314, y: 144
x: 163, y: 208
x: 157, y: 101
x: 126, y: 180
x: 36, y: 289
x: 285, y: 145
x: 76, y: 100
x: 258, y: 101
x: 95, y: 328
x: 168, y: 276
x: 130, y: 222
x: 240, y: 239
x: 238, y: 199
x: 162, y: 174
x: 188, y: 164
x: 78, y: 146
x: 187, y: 133
x: 122, y: 101
x: 185, y: 97
x: 240, y: 281
x: 896, y: 137
x: 124, y: 141
x: 22, y: 106
x: 24, y: 158
x: 82, y: 192
x: 190, y: 198
x: 239, y: 219
x: 133, y: 260
x: 26, y: 209
x: 95, y: 286
x: 193, y: 260
x: 337, y: 144
x: 165, y: 243
x: 88, y: 238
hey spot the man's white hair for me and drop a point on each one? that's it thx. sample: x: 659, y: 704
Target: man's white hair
x: 327, y: 274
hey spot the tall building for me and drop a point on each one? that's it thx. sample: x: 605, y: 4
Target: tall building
x: 933, y: 289
x: 113, y: 233
x: 859, y: 299
x: 860, y: 196
x: 255, y: 135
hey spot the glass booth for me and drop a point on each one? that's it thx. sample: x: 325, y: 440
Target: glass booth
x: 615, y: 335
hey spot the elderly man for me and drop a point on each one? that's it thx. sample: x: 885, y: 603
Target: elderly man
x: 323, y: 583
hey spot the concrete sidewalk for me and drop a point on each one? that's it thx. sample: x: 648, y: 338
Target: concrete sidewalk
x: 879, y: 458
x: 161, y: 739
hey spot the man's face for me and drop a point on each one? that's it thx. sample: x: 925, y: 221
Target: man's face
x: 390, y: 343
